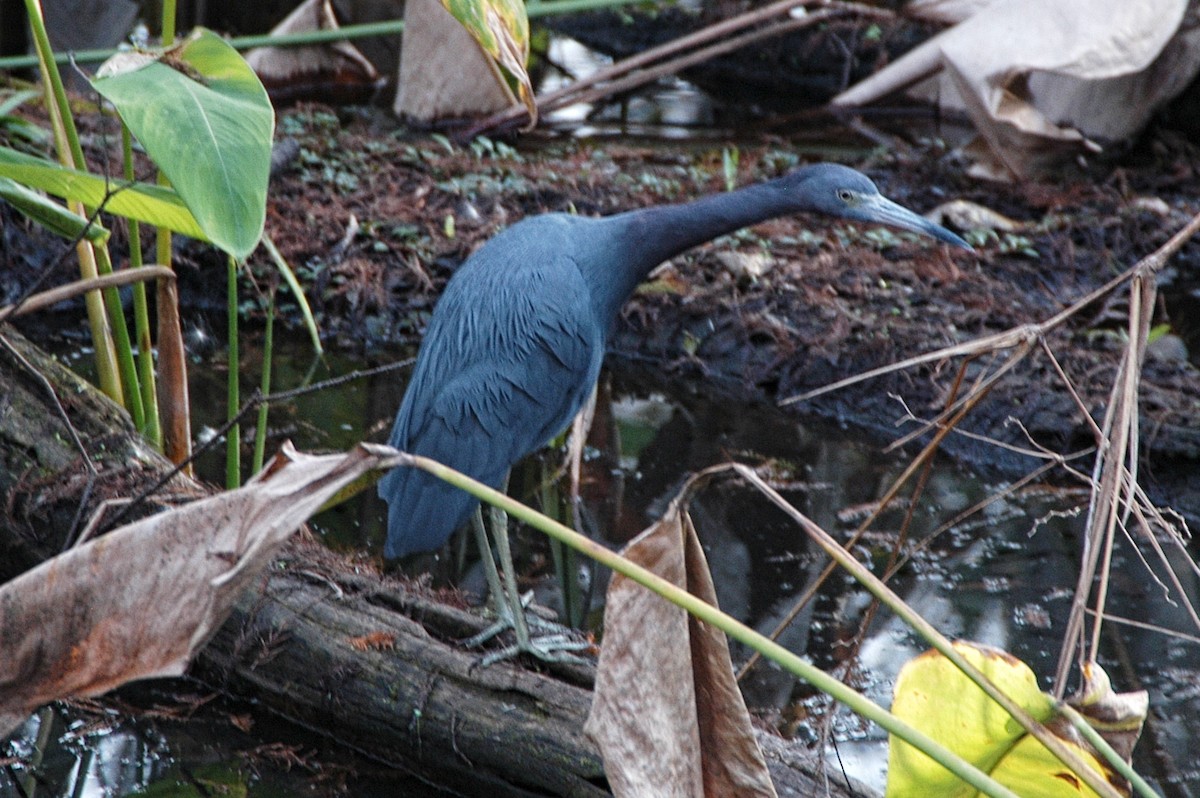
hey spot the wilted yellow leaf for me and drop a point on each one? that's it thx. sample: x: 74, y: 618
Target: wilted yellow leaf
x: 502, y: 29
x: 935, y: 697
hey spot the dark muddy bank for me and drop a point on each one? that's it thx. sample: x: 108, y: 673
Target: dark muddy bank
x: 376, y: 220
x: 792, y: 304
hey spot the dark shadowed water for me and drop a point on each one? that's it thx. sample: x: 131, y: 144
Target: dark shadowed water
x: 1004, y: 577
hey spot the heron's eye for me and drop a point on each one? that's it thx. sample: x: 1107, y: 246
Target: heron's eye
x: 845, y: 194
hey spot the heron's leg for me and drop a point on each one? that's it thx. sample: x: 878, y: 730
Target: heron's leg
x: 503, y: 595
x: 509, y: 605
x: 495, y: 591
x: 508, y: 574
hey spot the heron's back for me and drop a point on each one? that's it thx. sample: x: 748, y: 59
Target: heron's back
x: 512, y: 351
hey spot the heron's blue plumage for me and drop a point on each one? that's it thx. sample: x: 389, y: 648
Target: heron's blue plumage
x: 516, y: 341
x: 501, y: 371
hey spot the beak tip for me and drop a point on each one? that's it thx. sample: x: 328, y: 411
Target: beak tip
x: 960, y: 243
x: 886, y: 211
x: 935, y: 230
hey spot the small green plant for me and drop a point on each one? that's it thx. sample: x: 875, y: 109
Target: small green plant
x: 200, y: 113
x: 21, y: 133
x: 882, y: 238
x: 1006, y: 243
x: 729, y: 166
x: 483, y: 147
x: 778, y: 162
x: 1013, y: 244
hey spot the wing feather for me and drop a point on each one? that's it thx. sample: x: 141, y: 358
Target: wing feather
x: 512, y: 352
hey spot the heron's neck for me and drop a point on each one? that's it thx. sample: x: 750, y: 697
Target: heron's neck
x: 649, y: 236
x: 667, y: 230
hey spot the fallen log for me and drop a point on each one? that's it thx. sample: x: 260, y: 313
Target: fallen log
x: 327, y: 642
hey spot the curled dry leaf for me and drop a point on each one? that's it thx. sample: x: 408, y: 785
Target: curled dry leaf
x: 446, y: 68
x: 141, y: 600
x: 1117, y: 717
x: 966, y: 215
x: 337, y: 67
x: 1042, y: 82
x: 667, y: 710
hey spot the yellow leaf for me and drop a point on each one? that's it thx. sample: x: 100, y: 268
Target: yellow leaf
x: 934, y: 696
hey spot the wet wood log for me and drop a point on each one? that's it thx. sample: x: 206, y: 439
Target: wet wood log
x: 327, y: 642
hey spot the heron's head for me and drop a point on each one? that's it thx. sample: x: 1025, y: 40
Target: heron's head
x: 845, y: 193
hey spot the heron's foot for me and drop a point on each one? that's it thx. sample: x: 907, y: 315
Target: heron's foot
x: 559, y: 648
x: 553, y: 643
x: 505, y: 622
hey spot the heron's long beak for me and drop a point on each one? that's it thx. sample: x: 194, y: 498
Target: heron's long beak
x: 883, y: 210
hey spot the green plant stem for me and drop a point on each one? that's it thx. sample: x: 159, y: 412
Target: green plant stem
x: 168, y: 22
x: 233, y: 440
x: 70, y: 153
x: 152, y: 429
x: 289, y: 277
x: 1085, y: 729
x: 260, y: 429
x: 566, y: 569
x: 46, y: 61
x: 130, y: 383
x: 857, y: 702
x: 366, y: 30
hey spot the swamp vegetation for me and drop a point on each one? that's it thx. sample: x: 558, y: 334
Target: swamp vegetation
x: 1019, y: 364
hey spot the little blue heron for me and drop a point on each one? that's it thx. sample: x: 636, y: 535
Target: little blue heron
x: 515, y: 343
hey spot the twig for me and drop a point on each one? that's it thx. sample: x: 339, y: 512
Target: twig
x: 62, y: 293
x: 251, y: 404
x: 618, y: 75
x: 943, y: 429
x: 1115, y: 494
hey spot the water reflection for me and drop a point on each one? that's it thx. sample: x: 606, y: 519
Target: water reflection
x: 182, y: 743
x: 1003, y: 577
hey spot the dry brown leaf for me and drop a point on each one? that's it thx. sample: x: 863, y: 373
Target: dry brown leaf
x: 174, y: 407
x: 301, y: 69
x: 667, y: 711
x: 444, y: 73
x: 966, y: 215
x: 1042, y: 81
x: 140, y: 601
x: 1117, y: 717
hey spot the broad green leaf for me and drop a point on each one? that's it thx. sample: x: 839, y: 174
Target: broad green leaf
x: 502, y: 29
x: 935, y: 697
x: 1032, y: 771
x: 49, y: 214
x: 204, y: 118
x: 155, y: 205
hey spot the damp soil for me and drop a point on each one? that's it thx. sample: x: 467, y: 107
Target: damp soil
x: 374, y: 219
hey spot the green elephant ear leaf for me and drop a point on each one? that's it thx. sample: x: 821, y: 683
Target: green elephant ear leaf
x: 157, y: 205
x: 49, y: 214
x: 204, y: 118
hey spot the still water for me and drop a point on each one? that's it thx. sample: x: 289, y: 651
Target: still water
x: 1004, y: 576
